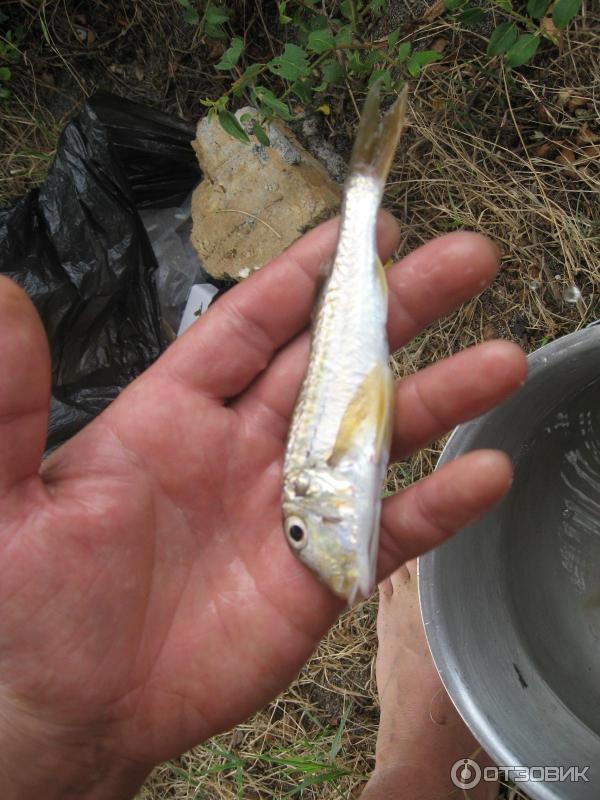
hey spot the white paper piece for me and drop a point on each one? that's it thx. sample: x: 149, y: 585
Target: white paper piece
x: 201, y: 296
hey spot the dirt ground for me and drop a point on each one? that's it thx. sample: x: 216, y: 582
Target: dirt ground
x: 515, y: 155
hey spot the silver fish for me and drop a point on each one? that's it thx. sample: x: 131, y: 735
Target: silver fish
x: 339, y: 439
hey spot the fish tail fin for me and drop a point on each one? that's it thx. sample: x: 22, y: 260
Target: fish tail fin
x: 377, y: 139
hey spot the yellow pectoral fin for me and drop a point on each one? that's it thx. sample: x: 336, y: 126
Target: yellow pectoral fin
x: 369, y: 406
x: 382, y: 279
x: 386, y: 417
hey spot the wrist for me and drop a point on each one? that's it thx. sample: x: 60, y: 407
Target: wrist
x: 56, y: 762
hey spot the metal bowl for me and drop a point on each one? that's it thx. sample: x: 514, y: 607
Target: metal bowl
x: 511, y: 605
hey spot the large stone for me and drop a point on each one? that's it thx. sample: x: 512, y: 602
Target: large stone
x: 254, y: 201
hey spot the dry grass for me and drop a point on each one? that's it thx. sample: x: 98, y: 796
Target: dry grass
x: 318, y: 735
x: 28, y: 136
x: 509, y: 154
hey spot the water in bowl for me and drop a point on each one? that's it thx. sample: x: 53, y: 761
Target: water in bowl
x: 553, y: 549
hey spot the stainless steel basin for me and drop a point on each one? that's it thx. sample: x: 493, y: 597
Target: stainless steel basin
x: 511, y: 605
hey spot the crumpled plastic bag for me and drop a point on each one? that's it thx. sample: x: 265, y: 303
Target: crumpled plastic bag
x: 185, y: 288
x: 78, y: 247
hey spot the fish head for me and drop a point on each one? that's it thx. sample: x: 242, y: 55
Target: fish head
x: 323, y: 516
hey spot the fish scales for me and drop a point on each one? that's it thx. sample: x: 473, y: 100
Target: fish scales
x: 339, y: 437
x: 346, y: 335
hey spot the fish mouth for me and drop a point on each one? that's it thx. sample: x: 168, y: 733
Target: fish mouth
x: 352, y: 586
x: 362, y: 589
x: 365, y: 582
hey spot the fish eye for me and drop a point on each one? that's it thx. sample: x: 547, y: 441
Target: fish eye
x: 296, y: 532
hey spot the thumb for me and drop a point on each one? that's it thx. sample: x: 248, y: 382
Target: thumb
x: 24, y: 386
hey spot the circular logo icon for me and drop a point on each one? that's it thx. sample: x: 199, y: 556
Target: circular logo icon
x: 465, y: 773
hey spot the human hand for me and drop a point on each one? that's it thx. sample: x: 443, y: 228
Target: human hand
x: 149, y: 599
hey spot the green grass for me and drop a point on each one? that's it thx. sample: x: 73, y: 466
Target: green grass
x: 310, y: 763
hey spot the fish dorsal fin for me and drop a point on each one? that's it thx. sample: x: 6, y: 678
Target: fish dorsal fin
x: 369, y: 406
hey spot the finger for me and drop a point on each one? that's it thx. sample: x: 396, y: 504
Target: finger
x: 430, y: 282
x: 436, y: 279
x: 428, y: 512
x: 238, y: 336
x: 25, y: 386
x: 441, y: 396
x: 269, y: 402
x: 427, y: 404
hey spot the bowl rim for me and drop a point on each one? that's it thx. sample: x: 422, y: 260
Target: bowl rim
x: 436, y: 614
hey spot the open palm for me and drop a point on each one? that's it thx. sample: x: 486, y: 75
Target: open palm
x: 148, y: 596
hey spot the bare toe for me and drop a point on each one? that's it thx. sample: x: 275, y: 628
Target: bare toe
x: 398, y: 581
x: 405, y: 576
x: 420, y: 730
x: 386, y: 589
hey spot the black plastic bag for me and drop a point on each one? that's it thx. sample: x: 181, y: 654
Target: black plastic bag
x: 79, y: 249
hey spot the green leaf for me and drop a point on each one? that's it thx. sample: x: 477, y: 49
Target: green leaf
x: 537, y: 8
x: 384, y: 76
x: 317, y: 23
x: 332, y: 72
x: 213, y: 21
x: 393, y: 37
x: 564, y: 11
x: 502, y: 39
x: 375, y: 6
x: 506, y: 5
x: 523, y: 50
x: 232, y: 55
x: 4, y: 74
x: 320, y: 40
x: 230, y: 124
x: 291, y: 64
x: 190, y: 15
x: 419, y: 60
x: 403, y: 52
x: 283, y: 17
x: 260, y: 134
x: 355, y: 64
x: 346, y: 9
x: 303, y: 91
x: 267, y: 98
x: 453, y: 5
x: 299, y: 22
x: 343, y: 37
x: 471, y: 16
x: 371, y: 58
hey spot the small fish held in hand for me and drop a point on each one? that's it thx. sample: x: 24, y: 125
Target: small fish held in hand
x: 339, y: 440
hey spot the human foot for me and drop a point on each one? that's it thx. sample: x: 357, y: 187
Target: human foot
x: 421, y: 735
